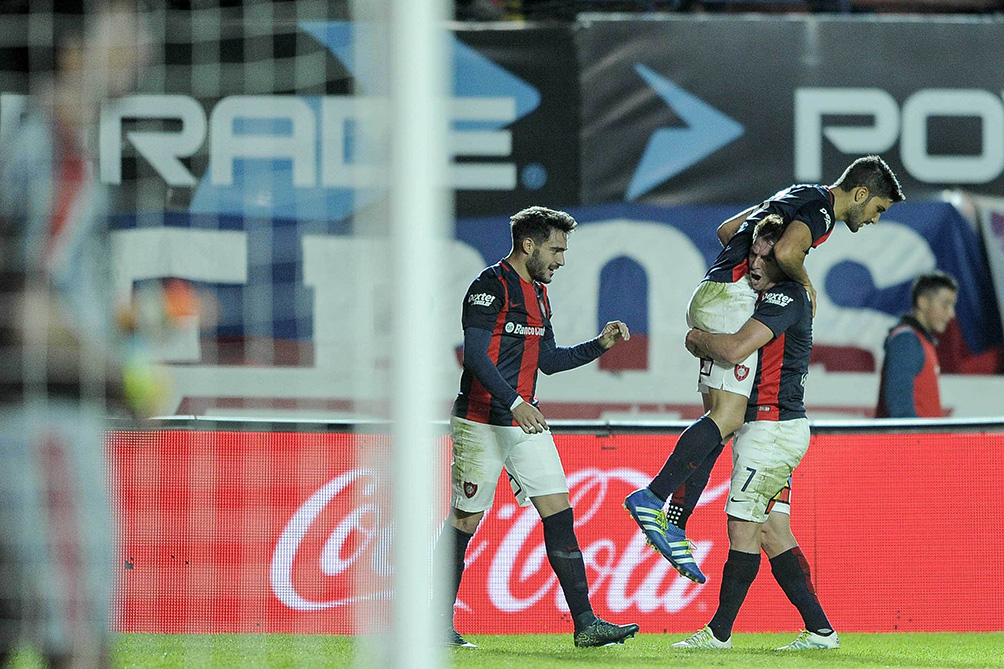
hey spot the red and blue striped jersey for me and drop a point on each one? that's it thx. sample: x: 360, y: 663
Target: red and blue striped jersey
x: 811, y: 204
x: 783, y: 362
x: 518, y: 315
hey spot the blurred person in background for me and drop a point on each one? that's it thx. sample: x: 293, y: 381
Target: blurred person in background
x: 60, y: 344
x: 909, y: 385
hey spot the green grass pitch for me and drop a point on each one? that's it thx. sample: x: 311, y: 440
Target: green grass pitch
x: 857, y: 651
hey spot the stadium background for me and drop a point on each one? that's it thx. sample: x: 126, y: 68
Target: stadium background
x: 241, y: 167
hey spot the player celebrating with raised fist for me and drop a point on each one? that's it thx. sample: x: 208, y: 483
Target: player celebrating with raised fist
x: 496, y: 422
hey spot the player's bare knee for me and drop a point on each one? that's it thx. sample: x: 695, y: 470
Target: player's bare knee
x: 727, y: 419
x: 548, y: 505
x: 776, y: 536
x: 744, y: 535
x: 466, y: 522
x: 768, y: 538
x: 728, y: 410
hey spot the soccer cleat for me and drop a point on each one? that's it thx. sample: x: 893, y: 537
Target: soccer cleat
x: 601, y: 633
x: 669, y: 540
x: 704, y: 639
x: 454, y: 640
x: 811, y: 641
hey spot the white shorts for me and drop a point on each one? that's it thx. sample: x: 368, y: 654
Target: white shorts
x: 57, y: 542
x: 723, y: 308
x: 480, y: 451
x: 764, y: 453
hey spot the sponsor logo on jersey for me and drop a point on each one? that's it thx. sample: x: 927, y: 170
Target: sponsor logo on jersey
x: 777, y: 299
x: 470, y: 489
x: 516, y: 328
x: 826, y: 217
x: 741, y: 372
x: 481, y: 299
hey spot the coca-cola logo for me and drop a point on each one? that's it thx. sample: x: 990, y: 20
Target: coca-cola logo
x: 357, y: 537
x: 623, y: 573
x: 621, y: 568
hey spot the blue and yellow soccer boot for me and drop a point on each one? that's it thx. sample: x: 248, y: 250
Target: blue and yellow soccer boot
x: 669, y: 540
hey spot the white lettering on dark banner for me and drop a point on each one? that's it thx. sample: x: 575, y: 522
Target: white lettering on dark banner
x: 908, y: 124
x: 314, y: 146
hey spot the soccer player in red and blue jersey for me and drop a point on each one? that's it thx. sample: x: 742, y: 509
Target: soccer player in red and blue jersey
x: 767, y: 448
x: 721, y: 304
x: 910, y: 368
x: 496, y: 422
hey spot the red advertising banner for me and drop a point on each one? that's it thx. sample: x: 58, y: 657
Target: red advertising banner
x: 283, y: 532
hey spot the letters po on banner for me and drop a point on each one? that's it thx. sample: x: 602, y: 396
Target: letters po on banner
x: 281, y: 532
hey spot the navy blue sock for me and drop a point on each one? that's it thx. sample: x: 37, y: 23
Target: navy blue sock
x: 737, y: 577
x: 449, y: 560
x: 684, y: 500
x: 791, y: 571
x: 676, y: 513
x: 695, y: 444
x: 566, y: 560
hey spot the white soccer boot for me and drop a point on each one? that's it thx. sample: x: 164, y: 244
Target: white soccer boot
x: 811, y: 641
x: 704, y: 639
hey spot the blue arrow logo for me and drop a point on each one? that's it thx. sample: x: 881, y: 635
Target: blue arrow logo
x: 673, y: 150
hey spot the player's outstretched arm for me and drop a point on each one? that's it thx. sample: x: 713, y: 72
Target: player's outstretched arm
x: 554, y: 358
x: 729, y: 228
x: 790, y: 252
x: 729, y: 348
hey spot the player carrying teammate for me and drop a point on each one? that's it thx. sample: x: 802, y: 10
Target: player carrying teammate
x: 767, y: 447
x: 721, y: 304
x: 496, y: 423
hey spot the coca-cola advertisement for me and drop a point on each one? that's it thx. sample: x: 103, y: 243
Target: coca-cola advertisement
x: 290, y: 532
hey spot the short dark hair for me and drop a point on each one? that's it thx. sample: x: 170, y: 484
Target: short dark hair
x: 537, y: 223
x: 769, y: 228
x: 926, y: 284
x: 874, y: 174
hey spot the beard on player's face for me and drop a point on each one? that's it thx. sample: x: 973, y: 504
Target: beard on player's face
x: 537, y: 268
x: 862, y: 214
x: 855, y: 217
